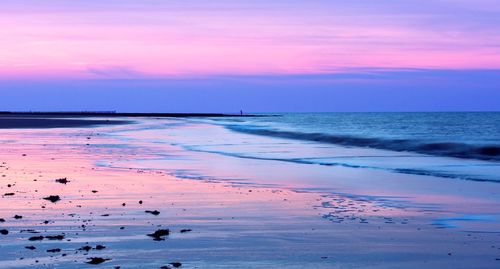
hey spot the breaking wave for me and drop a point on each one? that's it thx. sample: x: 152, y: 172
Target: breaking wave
x: 446, y: 149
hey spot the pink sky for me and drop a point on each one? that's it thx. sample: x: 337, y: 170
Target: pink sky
x: 154, y: 39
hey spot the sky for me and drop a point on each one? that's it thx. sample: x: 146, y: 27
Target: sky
x: 227, y: 55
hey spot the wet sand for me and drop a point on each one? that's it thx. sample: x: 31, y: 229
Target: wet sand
x: 115, y: 205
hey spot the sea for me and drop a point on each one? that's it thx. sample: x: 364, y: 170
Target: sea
x: 461, y: 145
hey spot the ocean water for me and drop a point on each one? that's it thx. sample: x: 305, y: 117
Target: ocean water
x: 461, y: 145
x: 461, y: 134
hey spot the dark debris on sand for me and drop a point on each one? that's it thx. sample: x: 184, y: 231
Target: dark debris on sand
x: 174, y: 264
x: 48, y: 237
x: 36, y: 238
x: 89, y: 248
x: 85, y: 248
x: 55, y: 237
x: 62, y: 180
x: 96, y: 260
x: 154, y: 212
x: 53, y: 198
x: 31, y: 231
x: 159, y: 234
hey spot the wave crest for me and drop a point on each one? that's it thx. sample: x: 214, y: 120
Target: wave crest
x: 446, y: 149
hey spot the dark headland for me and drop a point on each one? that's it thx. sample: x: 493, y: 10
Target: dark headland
x: 11, y: 120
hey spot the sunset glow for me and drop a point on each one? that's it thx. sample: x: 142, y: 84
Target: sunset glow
x: 158, y: 39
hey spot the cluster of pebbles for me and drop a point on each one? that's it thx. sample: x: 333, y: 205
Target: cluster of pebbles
x: 31, y: 242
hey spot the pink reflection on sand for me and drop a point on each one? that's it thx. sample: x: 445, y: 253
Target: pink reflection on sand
x: 34, y: 159
x: 32, y: 168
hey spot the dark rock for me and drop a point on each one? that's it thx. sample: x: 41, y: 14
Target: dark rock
x: 30, y: 247
x: 4, y: 232
x: 18, y: 217
x: 62, y: 180
x: 2, y: 220
x: 55, y: 237
x: 31, y: 231
x: 158, y: 234
x: 53, y: 198
x: 86, y: 248
x: 9, y: 194
x: 96, y: 260
x: 176, y: 264
x: 100, y: 247
x: 155, y: 212
x: 94, y: 191
x: 54, y: 250
x: 36, y: 238
x: 185, y: 230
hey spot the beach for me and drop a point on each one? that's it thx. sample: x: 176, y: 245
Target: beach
x: 160, y: 192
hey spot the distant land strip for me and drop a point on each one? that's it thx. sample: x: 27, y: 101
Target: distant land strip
x: 42, y: 120
x: 118, y: 114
